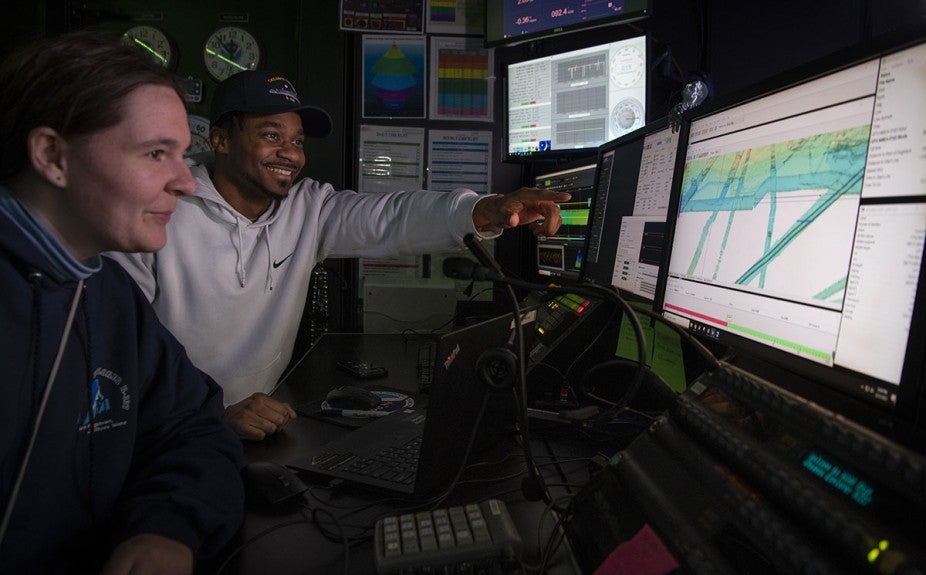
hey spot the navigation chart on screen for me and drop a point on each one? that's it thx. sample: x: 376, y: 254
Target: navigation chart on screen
x: 787, y: 199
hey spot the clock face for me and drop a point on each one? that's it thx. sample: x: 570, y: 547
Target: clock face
x: 626, y: 116
x: 230, y: 50
x: 627, y: 67
x: 152, y: 42
x: 199, y: 134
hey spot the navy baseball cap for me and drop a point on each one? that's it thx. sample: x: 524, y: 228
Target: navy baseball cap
x: 265, y: 93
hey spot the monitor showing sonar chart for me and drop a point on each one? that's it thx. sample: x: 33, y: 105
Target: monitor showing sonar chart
x: 561, y: 255
x: 626, y: 237
x: 801, y: 221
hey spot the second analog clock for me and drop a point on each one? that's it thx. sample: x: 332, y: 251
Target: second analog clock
x: 230, y: 50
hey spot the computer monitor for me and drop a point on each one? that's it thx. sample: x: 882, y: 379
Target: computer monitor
x: 573, y: 101
x: 561, y: 255
x: 633, y: 186
x: 798, y: 238
x: 513, y: 21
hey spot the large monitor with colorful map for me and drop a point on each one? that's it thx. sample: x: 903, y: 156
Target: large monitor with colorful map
x: 801, y: 222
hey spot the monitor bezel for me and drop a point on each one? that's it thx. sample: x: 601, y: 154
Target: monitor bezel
x: 499, y: 40
x: 659, y: 124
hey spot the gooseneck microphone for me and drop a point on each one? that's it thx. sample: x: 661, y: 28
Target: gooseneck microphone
x: 532, y: 486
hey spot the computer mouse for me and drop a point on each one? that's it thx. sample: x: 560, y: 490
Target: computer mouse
x: 352, y: 397
x: 271, y: 482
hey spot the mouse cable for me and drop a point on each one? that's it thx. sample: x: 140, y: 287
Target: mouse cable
x: 345, y: 540
x: 340, y: 536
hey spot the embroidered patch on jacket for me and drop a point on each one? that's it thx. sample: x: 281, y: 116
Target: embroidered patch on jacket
x: 110, y: 402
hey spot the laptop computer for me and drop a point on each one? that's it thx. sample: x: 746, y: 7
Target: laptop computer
x: 418, y: 451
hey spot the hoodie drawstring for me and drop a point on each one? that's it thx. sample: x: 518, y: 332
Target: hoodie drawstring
x: 268, y: 286
x: 238, y: 249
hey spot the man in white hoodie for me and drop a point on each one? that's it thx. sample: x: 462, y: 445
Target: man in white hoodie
x: 232, y: 281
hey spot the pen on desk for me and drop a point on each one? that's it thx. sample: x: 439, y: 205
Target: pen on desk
x: 352, y: 413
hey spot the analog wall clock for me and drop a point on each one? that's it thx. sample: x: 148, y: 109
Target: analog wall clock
x: 152, y: 42
x: 230, y: 50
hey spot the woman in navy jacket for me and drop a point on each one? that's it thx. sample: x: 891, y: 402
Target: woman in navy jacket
x: 113, y: 454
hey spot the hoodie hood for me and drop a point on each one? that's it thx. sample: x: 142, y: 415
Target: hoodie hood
x: 241, y: 229
x: 38, y: 247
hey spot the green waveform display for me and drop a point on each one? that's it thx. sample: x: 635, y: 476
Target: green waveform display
x: 574, y: 217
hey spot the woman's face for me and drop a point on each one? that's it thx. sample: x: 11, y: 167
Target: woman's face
x: 122, y: 183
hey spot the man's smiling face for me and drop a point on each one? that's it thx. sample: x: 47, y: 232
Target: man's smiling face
x: 266, y: 153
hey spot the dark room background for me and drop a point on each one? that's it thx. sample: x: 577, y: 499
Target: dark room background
x: 730, y: 44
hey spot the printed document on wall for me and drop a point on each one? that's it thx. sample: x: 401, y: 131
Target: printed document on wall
x: 459, y: 159
x: 391, y: 158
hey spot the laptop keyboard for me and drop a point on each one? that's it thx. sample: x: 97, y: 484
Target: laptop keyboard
x: 396, y: 464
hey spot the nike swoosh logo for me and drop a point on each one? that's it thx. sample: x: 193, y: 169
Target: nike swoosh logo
x: 279, y: 263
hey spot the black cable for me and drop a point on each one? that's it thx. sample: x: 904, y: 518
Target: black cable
x: 533, y: 484
x: 557, y: 535
x: 499, y: 479
x: 555, y: 462
x: 591, y: 344
x: 586, y: 289
x: 258, y: 536
x: 341, y: 531
x: 702, y: 350
x: 543, y: 550
x: 435, y: 503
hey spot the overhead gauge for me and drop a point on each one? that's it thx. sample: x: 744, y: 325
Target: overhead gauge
x: 626, y: 116
x: 199, y: 134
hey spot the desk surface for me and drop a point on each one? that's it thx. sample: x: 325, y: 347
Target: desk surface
x: 291, y: 540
